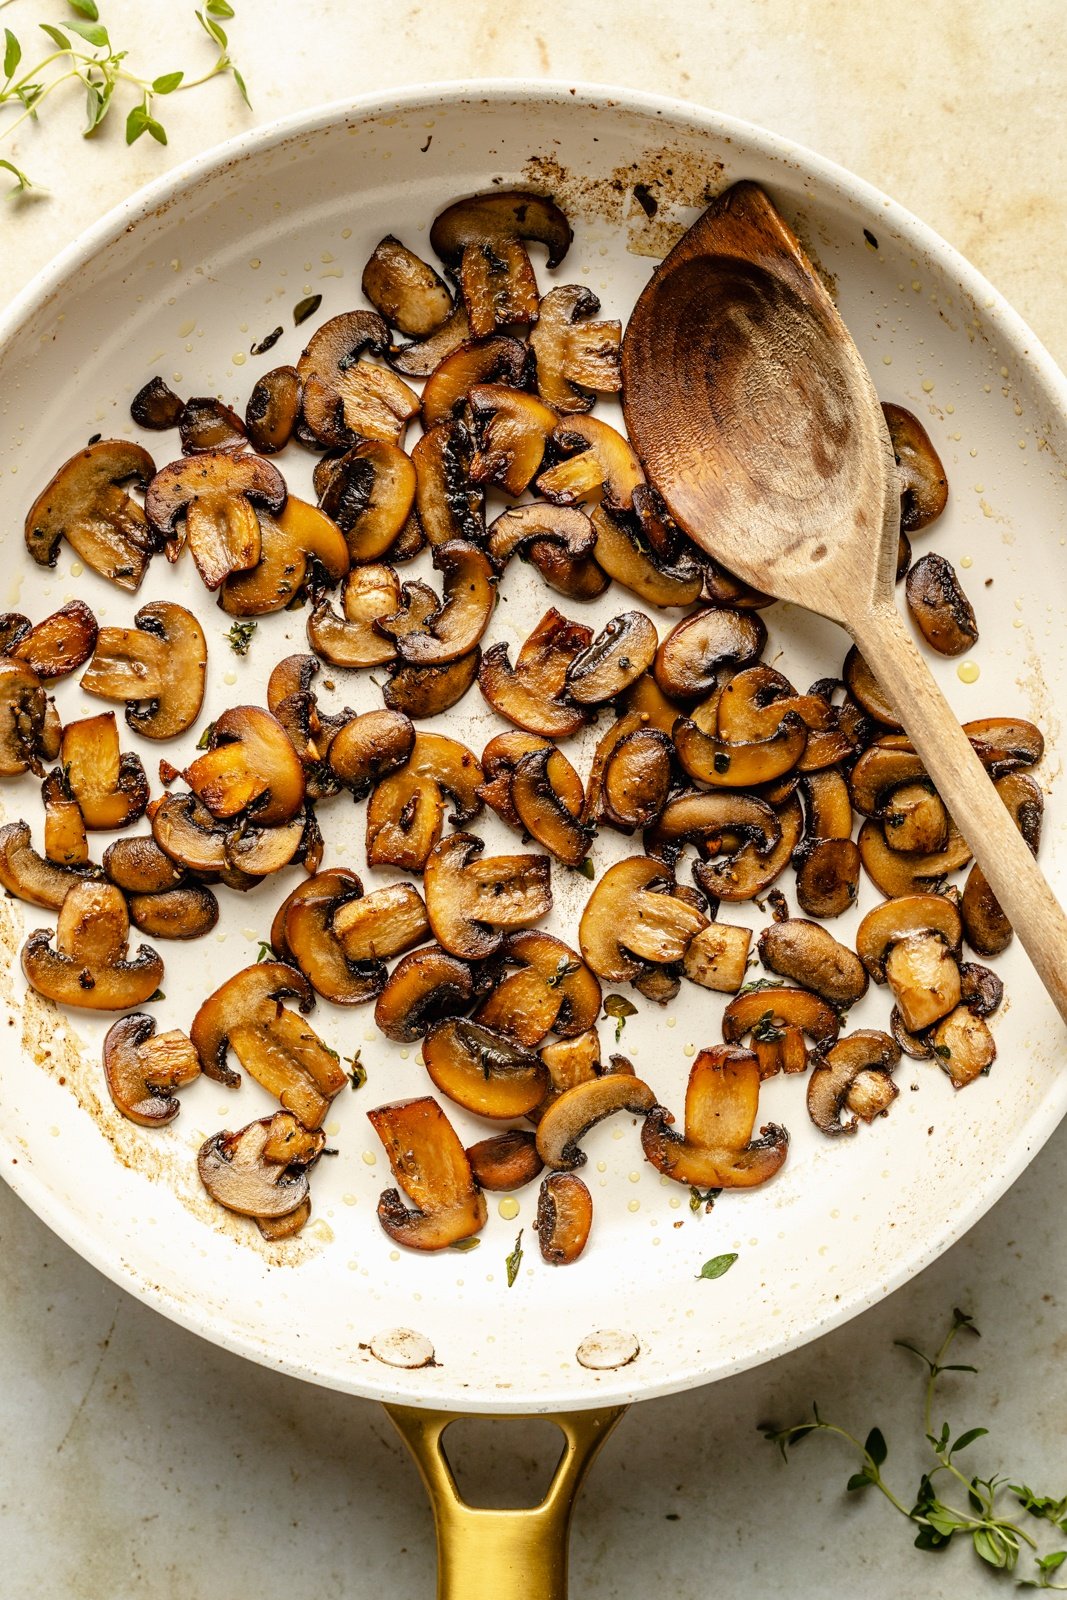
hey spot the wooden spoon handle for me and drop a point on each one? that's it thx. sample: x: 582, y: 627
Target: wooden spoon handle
x: 964, y: 786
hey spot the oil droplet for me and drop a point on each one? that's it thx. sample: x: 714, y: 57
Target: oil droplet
x: 1003, y: 372
x: 1022, y: 444
x: 979, y: 488
x: 928, y: 386
x: 394, y: 1255
x: 616, y: 1133
x: 349, y: 1199
x: 635, y: 1177
x: 255, y: 263
x: 508, y: 1208
x: 887, y: 361
x: 229, y: 676
x: 353, y: 1266
x: 346, y: 233
x: 689, y: 1050
x: 250, y: 933
x: 322, y: 1231
x: 634, y: 1205
x: 332, y: 1127
x: 405, y: 1055
x: 238, y: 358
x: 674, y: 1202
x: 370, y: 1160
x: 54, y: 1132
x: 916, y: 285
x: 76, y: 569
x: 220, y: 938
x: 672, y: 1022
x: 966, y: 561
x: 326, y: 257
x: 950, y: 410
x: 1017, y: 622
x: 602, y: 1166
x: 967, y: 672
x: 186, y: 328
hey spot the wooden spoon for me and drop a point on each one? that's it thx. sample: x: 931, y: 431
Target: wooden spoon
x: 757, y: 421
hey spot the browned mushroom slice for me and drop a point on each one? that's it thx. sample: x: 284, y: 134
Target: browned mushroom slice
x: 598, y: 461
x: 482, y: 240
x: 752, y: 706
x: 386, y: 923
x: 206, y: 424
x: 187, y: 832
x: 699, y: 817
x: 109, y: 786
x: 924, y: 975
x: 569, y: 1062
x: 65, y: 841
x: 923, y: 485
x: 564, y: 1218
x: 647, y: 698
x: 718, y: 1150
x: 505, y: 1161
x: 915, y: 819
x: 454, y: 769
x: 630, y: 722
x: 511, y: 429
x: 622, y: 651
x: 904, y: 918
x: 216, y: 494
x: 980, y: 988
x: 291, y: 698
x: 188, y: 912
x: 496, y: 360
x: 865, y: 688
x: 885, y: 765
x: 262, y: 1170
x: 422, y: 357
x: 575, y: 359
x: 828, y: 873
x: 272, y: 1043
x: 533, y: 693
x: 807, y: 954
x: 423, y: 988
x: 347, y: 398
x: 28, y: 876
x: 142, y: 1069
x: 963, y: 1046
x: 473, y: 901
x: 430, y: 1164
x: 404, y: 290
x: 777, y: 1021
x: 711, y: 759
x: 405, y: 819
x: 60, y: 644
x: 139, y: 866
x: 305, y: 932
x: 722, y: 588
x: 87, y: 504
x: 463, y: 615
x: 747, y: 870
x: 156, y: 406
x: 158, y: 667
x: 627, y: 923
x: 258, y: 851
x: 543, y: 795
x: 1005, y: 743
x: 987, y: 929
x: 565, y: 1123
x: 449, y: 504
x: 369, y: 593
x: 557, y: 540
x: 939, y: 607
x: 500, y: 758
x: 717, y: 957
x: 423, y: 692
x: 551, y: 989
x: 128, y: 664
x: 689, y: 660
x: 897, y: 872
x: 636, y: 779
x: 483, y: 1070
x: 623, y: 555
x: 89, y: 967
x: 249, y: 761
x: 273, y: 410
x: 842, y: 1080
x: 300, y: 548
x: 370, y: 497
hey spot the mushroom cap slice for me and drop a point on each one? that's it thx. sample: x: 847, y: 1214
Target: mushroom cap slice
x: 456, y: 626
x: 261, y: 1171
x: 404, y: 290
x: 109, y: 786
x: 424, y: 692
x: 89, y: 967
x: 621, y: 653
x: 206, y: 424
x: 923, y: 484
x: 750, y: 869
x: 546, y: 969
x: 370, y: 495
x: 423, y: 356
x: 564, y: 1218
x: 188, y: 912
x: 369, y: 593
x: 142, y: 1069
x: 903, y: 918
x: 430, y: 1164
x: 808, y: 954
x: 622, y: 912
x: 483, y: 1070
x: 899, y: 873
x: 575, y: 358
x: 636, y: 779
x: 701, y: 816
x: 186, y: 831
x: 711, y: 759
x: 249, y: 761
x: 473, y: 900
x: 273, y: 410
x: 304, y: 933
x: 369, y: 748
x: 31, y: 877
x: 174, y: 706
x: 539, y: 795
x: 87, y: 504
x: 498, y: 215
x: 511, y: 428
x: 215, y: 493
x: 448, y: 503
x: 963, y: 1045
x: 156, y: 406
x: 598, y: 460
x: 692, y: 655
x: 26, y: 713
x: 924, y: 976
x: 347, y: 398
x: 65, y: 840
x: 60, y: 644
x: 423, y: 988
x: 835, y: 1075
x: 941, y: 610
x: 777, y: 1021
x: 300, y: 548
x: 521, y: 529
x: 622, y: 554
x: 505, y: 1161
x: 533, y: 694
x: 717, y: 957
x: 385, y: 923
x: 569, y: 1118
x: 718, y: 1150
x: 497, y: 359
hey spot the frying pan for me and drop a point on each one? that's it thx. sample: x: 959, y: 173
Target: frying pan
x: 182, y: 280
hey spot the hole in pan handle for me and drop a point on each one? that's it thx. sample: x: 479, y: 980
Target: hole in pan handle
x: 489, y: 1554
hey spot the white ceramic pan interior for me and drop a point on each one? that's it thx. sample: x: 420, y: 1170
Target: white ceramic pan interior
x: 182, y: 282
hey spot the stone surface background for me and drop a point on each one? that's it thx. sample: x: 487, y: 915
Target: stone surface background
x: 141, y: 1462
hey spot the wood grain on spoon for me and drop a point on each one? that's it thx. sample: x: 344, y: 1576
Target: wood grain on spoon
x: 757, y: 420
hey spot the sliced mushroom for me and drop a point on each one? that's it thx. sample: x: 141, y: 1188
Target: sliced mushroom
x: 622, y: 651
x: 550, y: 990
x: 987, y: 928
x: 423, y: 356
x: 109, y: 786
x: 1003, y: 744
x: 717, y: 957
x: 576, y: 1111
x: 404, y: 290
x: 273, y: 410
x: 865, y: 688
x: 65, y: 841
x: 915, y: 1045
x: 963, y: 1046
x: 60, y: 644
x: 156, y: 406
x: 690, y: 658
x: 250, y: 761
x: 777, y: 1021
x: 139, y: 866
x: 576, y: 359
x: 482, y: 1069
x: 300, y: 548
x: 500, y: 758
x: 188, y: 912
x: 214, y: 496
x: 633, y: 916
x: 904, y: 918
x: 925, y: 979
x: 448, y: 503
x: 142, y: 1069
x: 347, y: 398
x: 636, y: 779
x: 89, y: 967
x: 923, y: 485
x: 159, y: 667
x: 828, y: 872
x: 718, y: 1150
x: 257, y: 851
x: 598, y: 461
x: 305, y: 932
x: 746, y: 870
x: 36, y: 879
x: 87, y: 504
x: 430, y: 1164
x: 808, y: 954
x: 369, y: 593
x: 511, y: 429
x: 370, y: 496
x: 262, y: 1170
x: 624, y: 555
x: 898, y: 872
x: 548, y: 809
x: 422, y: 692
x: 29, y: 726
x: 533, y: 694
x: 505, y: 1161
x: 272, y: 1043
x: 557, y: 540
x: 647, y: 698
x: 386, y: 923
x: 206, y: 424
x: 915, y: 819
x: 482, y: 240
x: 712, y: 819
x: 473, y: 901
x: 630, y: 722
x: 186, y: 831
x: 462, y: 616
x: 941, y: 610
x: 841, y: 1081
x: 564, y: 1218
x: 569, y: 1062
x: 711, y: 759
x: 980, y: 988
x: 498, y: 359
x: 423, y: 988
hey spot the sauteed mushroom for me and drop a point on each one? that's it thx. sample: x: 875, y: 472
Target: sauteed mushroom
x: 300, y: 548
x: 482, y: 239
x: 557, y: 540
x: 750, y: 868
x: 899, y: 872
x: 533, y: 694
x: 634, y: 916
x: 369, y: 593
x: 808, y: 954
x: 912, y: 943
x: 405, y: 815
x: 65, y: 840
x: 89, y: 967
x: 273, y: 410
x: 370, y: 495
x: 262, y: 1170
x: 550, y: 989
x: 572, y: 1114
x: 472, y: 901
x: 448, y: 503
x: 142, y: 1069
x: 458, y: 622
x: 540, y: 801
x: 159, y: 667
x: 636, y: 779
x: 864, y: 687
x: 962, y: 1045
x: 250, y: 761
x: 347, y: 398
x: 854, y: 1075
x: 622, y: 651
x: 109, y: 786
x: 597, y: 460
x: 511, y: 429
x: 187, y: 912
x: 573, y: 1061
x: 423, y: 988
x: 827, y: 861
x: 710, y: 759
x: 923, y: 485
x: 87, y: 504
x: 156, y: 406
x: 430, y: 1164
x: 505, y: 1161
x: 777, y: 1021
x: 499, y: 359
x: 57, y: 646
x: 216, y: 494
x: 139, y: 866
x: 482, y: 1069
x: 575, y: 359
x: 427, y: 691
x: 624, y: 555
x: 564, y: 1218
x: 693, y: 654
x: 987, y: 929
x: 206, y: 424
x: 424, y: 356
x: 718, y: 1150
x: 29, y: 725
x: 404, y: 290
x: 36, y: 879
x: 942, y: 612
x: 717, y: 957
x: 306, y: 932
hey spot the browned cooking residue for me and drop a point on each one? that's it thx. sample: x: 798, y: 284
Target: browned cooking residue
x: 50, y: 1041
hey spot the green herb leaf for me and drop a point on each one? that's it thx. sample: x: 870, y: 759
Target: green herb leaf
x: 464, y: 1245
x: 968, y: 1438
x: 617, y: 1006
x: 159, y: 995
x: 357, y: 1072
x: 564, y: 969
x: 943, y: 1051
x: 212, y: 29
x: 1042, y: 1506
x: 268, y: 342
x: 167, y: 83
x: 876, y: 1447
x: 703, y: 1199
x: 12, y: 54
x: 240, y: 82
x: 22, y: 183
x: 858, y: 1480
x: 717, y: 1266
x: 240, y: 637
x: 306, y: 308
x: 514, y: 1260
x: 586, y: 868
x: 219, y: 8
x: 761, y: 983
x: 56, y: 35
x: 85, y: 8
x: 93, y: 33
x: 98, y: 103
x: 766, y: 1029
x: 204, y: 740
x: 266, y: 952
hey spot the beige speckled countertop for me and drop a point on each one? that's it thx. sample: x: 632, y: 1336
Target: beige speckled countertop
x: 140, y: 1462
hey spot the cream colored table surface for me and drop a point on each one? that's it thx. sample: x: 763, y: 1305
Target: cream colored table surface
x: 140, y: 1462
